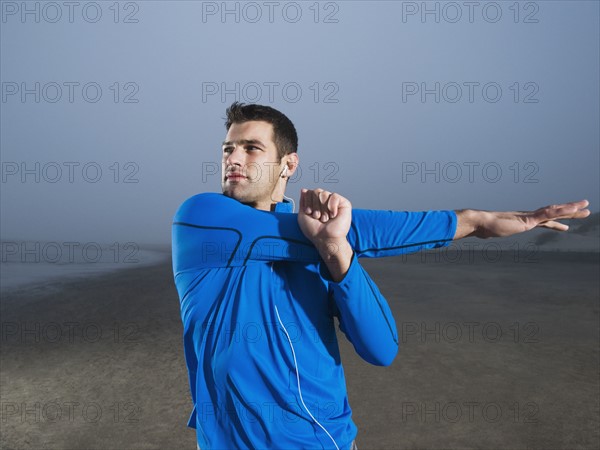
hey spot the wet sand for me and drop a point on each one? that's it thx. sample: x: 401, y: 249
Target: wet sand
x: 493, y: 354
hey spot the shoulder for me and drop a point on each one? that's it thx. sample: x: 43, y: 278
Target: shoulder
x: 199, y: 203
x: 203, y: 197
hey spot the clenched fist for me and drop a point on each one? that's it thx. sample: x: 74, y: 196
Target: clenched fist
x: 324, y: 215
x: 325, y: 218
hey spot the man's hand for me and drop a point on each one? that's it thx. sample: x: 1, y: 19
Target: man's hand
x: 325, y: 218
x: 323, y: 215
x: 486, y: 224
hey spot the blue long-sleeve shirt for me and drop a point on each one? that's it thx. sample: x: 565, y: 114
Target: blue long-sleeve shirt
x: 258, y: 308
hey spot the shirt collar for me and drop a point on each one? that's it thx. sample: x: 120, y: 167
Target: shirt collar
x: 284, y: 206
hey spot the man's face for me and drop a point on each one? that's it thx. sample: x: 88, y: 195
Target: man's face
x: 250, y: 166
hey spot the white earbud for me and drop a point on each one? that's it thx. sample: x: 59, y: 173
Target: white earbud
x: 284, y: 172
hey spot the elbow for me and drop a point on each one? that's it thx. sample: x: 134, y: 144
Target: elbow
x: 389, y: 358
x: 383, y: 357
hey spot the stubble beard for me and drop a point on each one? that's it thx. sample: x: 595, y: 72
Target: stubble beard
x: 249, y: 193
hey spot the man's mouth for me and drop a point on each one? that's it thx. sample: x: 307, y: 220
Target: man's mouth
x: 235, y: 176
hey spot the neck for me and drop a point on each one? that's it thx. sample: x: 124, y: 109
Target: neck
x: 275, y: 197
x: 268, y: 205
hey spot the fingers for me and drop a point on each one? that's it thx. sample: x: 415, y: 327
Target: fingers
x: 308, y: 203
x: 570, y: 207
x: 303, y: 203
x: 320, y: 209
x: 334, y: 203
x: 555, y: 225
x: 581, y: 210
x: 320, y: 204
x: 580, y: 203
x: 572, y: 210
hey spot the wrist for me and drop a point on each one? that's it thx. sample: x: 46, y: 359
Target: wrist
x: 329, y: 248
x: 337, y: 256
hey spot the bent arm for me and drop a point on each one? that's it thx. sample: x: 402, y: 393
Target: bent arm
x: 364, y: 314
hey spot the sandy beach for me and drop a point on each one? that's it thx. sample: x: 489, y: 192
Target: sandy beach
x: 494, y: 353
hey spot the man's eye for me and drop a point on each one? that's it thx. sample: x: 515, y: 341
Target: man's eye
x: 252, y: 147
x: 227, y: 150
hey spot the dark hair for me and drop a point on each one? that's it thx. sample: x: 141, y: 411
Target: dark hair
x: 284, y: 133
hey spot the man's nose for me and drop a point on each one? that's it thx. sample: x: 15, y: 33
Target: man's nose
x: 236, y: 156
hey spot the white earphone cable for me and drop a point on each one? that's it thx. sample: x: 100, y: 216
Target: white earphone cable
x: 291, y: 200
x: 282, y: 174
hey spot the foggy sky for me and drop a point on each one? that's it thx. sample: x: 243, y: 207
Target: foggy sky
x: 351, y: 83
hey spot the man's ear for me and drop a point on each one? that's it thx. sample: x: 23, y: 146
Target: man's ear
x: 291, y: 163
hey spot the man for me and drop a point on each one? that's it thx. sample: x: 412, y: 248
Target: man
x: 260, y: 287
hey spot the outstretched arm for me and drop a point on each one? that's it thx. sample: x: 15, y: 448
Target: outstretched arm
x: 487, y: 224
x: 212, y: 230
